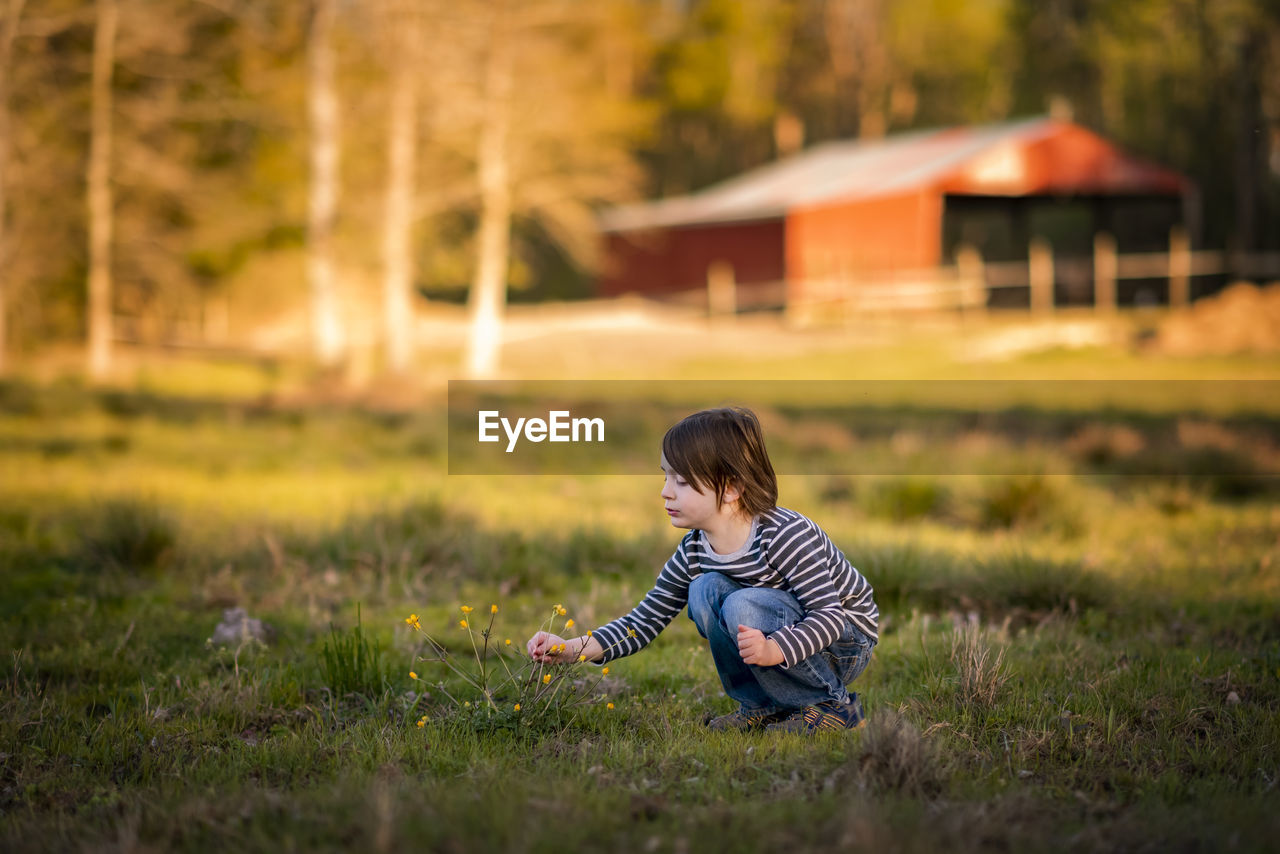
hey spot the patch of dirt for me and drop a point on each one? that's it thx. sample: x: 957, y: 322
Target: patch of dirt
x: 1242, y: 318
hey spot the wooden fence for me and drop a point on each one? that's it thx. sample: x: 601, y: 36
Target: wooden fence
x: 972, y: 284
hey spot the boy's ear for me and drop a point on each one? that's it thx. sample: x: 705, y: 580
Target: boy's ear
x: 731, y: 493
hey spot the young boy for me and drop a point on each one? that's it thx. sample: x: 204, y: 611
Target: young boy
x: 789, y: 620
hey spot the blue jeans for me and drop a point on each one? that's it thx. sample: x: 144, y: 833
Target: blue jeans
x: 718, y: 605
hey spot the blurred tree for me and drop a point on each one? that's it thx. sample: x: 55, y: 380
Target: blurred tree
x: 715, y: 77
x: 101, y: 213
x: 493, y: 165
x: 12, y: 15
x: 45, y: 237
x: 402, y: 35
x: 1056, y: 44
x: 950, y: 62
x: 550, y: 136
x: 859, y: 62
x: 1181, y: 81
x: 182, y: 165
x: 322, y: 101
x: 740, y: 83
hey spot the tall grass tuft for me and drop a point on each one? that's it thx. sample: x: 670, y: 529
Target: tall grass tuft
x: 895, y: 756
x: 980, y: 671
x: 1228, y: 474
x: 1016, y: 501
x: 352, y: 662
x: 1018, y: 579
x: 903, y: 500
x: 128, y: 534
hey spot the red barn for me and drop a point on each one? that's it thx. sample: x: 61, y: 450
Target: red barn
x: 878, y: 207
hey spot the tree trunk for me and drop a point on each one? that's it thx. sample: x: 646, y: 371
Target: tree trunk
x: 397, y: 257
x: 322, y: 102
x: 8, y: 31
x: 489, y: 286
x: 1250, y: 168
x: 99, y: 190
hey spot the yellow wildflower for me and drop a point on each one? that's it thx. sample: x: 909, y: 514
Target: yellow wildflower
x: 560, y: 610
x: 568, y: 624
x: 462, y: 623
x: 517, y: 707
x: 422, y: 723
x: 467, y: 704
x: 412, y: 675
x: 546, y: 679
x: 582, y: 658
x: 604, y: 671
x: 609, y: 707
x: 589, y: 632
x: 411, y: 619
x: 508, y: 641
x: 631, y: 633
x: 466, y: 609
x: 493, y: 609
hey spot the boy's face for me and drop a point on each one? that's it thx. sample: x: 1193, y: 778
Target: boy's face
x: 687, y: 507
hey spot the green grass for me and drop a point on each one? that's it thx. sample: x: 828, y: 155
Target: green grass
x: 1068, y: 662
x: 352, y: 663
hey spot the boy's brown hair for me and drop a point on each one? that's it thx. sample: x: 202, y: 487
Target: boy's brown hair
x: 718, y: 447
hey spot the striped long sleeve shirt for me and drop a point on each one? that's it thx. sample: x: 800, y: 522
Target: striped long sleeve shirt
x: 784, y: 550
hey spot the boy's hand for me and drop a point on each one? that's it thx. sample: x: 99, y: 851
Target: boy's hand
x: 757, y: 649
x: 545, y: 646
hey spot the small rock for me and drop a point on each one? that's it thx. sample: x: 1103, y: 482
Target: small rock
x: 238, y: 627
x: 1233, y: 698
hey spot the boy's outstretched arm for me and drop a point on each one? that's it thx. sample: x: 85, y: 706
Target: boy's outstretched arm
x: 545, y: 646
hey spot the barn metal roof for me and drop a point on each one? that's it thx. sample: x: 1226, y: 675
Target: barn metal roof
x: 833, y: 171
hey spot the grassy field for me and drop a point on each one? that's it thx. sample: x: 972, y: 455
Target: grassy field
x: 1076, y: 662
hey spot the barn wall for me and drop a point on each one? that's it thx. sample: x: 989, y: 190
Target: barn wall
x: 872, y: 236
x: 667, y: 261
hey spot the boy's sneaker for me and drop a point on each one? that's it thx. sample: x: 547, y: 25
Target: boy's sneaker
x: 744, y: 720
x: 824, y: 717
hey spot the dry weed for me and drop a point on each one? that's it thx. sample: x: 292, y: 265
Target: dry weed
x: 894, y: 755
x: 981, y: 672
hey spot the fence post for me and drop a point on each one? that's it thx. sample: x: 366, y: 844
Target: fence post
x: 1040, y: 269
x: 1104, y: 273
x: 845, y: 291
x: 722, y: 299
x: 1179, y: 267
x: 973, y: 278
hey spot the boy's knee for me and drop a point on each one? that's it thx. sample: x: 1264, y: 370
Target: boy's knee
x: 706, y: 593
x: 755, y: 607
